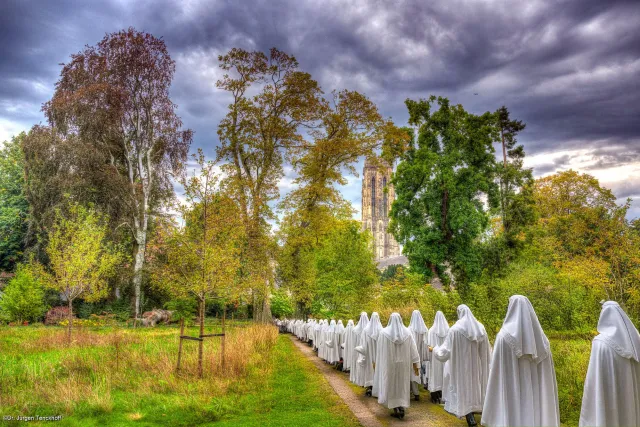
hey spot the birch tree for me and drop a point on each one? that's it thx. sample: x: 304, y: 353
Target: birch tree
x: 116, y: 96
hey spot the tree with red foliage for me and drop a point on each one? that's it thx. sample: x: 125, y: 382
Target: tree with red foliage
x: 115, y: 95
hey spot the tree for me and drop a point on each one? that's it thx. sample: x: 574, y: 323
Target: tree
x: 115, y: 96
x: 256, y: 136
x: 350, y: 128
x: 81, y: 260
x: 516, y: 182
x: 202, y: 258
x: 346, y: 270
x: 23, y: 298
x: 13, y: 204
x: 584, y: 233
x: 440, y: 184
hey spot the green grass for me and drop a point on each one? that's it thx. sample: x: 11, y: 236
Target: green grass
x: 267, y: 382
x: 296, y: 395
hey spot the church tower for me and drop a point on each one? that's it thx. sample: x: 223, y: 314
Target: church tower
x: 376, y: 205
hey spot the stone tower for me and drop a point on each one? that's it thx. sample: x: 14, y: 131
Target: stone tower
x: 376, y: 204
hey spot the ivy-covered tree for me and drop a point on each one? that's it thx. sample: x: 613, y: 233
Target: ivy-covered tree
x: 13, y: 204
x: 516, y: 181
x: 442, y: 185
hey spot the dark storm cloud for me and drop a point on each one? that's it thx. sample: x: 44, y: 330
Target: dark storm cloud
x: 569, y: 69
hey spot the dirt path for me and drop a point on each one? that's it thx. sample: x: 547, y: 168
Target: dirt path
x: 367, y: 409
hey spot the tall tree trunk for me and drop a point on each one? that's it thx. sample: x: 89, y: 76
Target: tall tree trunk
x: 141, y: 244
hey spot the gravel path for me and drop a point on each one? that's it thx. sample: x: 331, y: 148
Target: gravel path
x: 367, y: 409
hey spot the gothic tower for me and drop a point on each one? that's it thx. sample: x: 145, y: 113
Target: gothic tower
x: 376, y: 204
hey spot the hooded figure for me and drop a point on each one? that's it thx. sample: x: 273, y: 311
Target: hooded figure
x: 396, y: 359
x: 522, y: 389
x: 331, y: 344
x: 309, y: 330
x: 369, y: 348
x: 420, y: 334
x: 612, y: 389
x: 437, y: 335
x: 356, y: 375
x: 316, y: 335
x: 468, y: 352
x: 324, y: 332
x: 347, y: 346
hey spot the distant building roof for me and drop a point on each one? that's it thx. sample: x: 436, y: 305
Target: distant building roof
x: 395, y: 260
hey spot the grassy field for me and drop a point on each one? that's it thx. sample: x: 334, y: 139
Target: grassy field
x: 112, y: 376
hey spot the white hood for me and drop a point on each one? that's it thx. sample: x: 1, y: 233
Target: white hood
x: 522, y: 330
x: 616, y: 329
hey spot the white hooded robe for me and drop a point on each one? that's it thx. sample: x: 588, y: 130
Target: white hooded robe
x: 468, y: 351
x: 420, y: 334
x: 331, y: 344
x: 371, y: 333
x: 356, y: 375
x: 612, y: 389
x: 522, y: 389
x: 396, y: 355
x: 437, y: 335
x: 347, y: 345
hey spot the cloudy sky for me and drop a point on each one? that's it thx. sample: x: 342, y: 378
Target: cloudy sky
x: 569, y: 69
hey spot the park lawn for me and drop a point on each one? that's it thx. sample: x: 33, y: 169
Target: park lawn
x: 95, y: 383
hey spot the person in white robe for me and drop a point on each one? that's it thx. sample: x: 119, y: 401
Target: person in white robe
x: 347, y: 346
x: 437, y: 335
x: 323, y: 340
x: 611, y: 395
x: 332, y: 344
x: 468, y: 351
x: 316, y: 335
x: 420, y: 334
x: 339, y: 334
x: 309, y: 331
x: 522, y: 388
x: 368, y: 350
x: 397, y: 359
x: 356, y: 375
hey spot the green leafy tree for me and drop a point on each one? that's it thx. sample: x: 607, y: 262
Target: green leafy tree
x: 281, y: 304
x: 23, y: 298
x: 81, y: 261
x: 13, y: 204
x: 440, y: 183
x: 346, y: 271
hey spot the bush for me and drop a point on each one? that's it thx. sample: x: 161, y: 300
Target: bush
x: 182, y: 308
x: 23, y: 298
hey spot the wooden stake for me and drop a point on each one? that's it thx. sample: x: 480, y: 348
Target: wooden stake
x: 224, y: 336
x: 180, y: 345
x: 200, y: 345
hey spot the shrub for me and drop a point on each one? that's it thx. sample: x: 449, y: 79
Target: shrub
x: 182, y: 308
x: 23, y: 298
